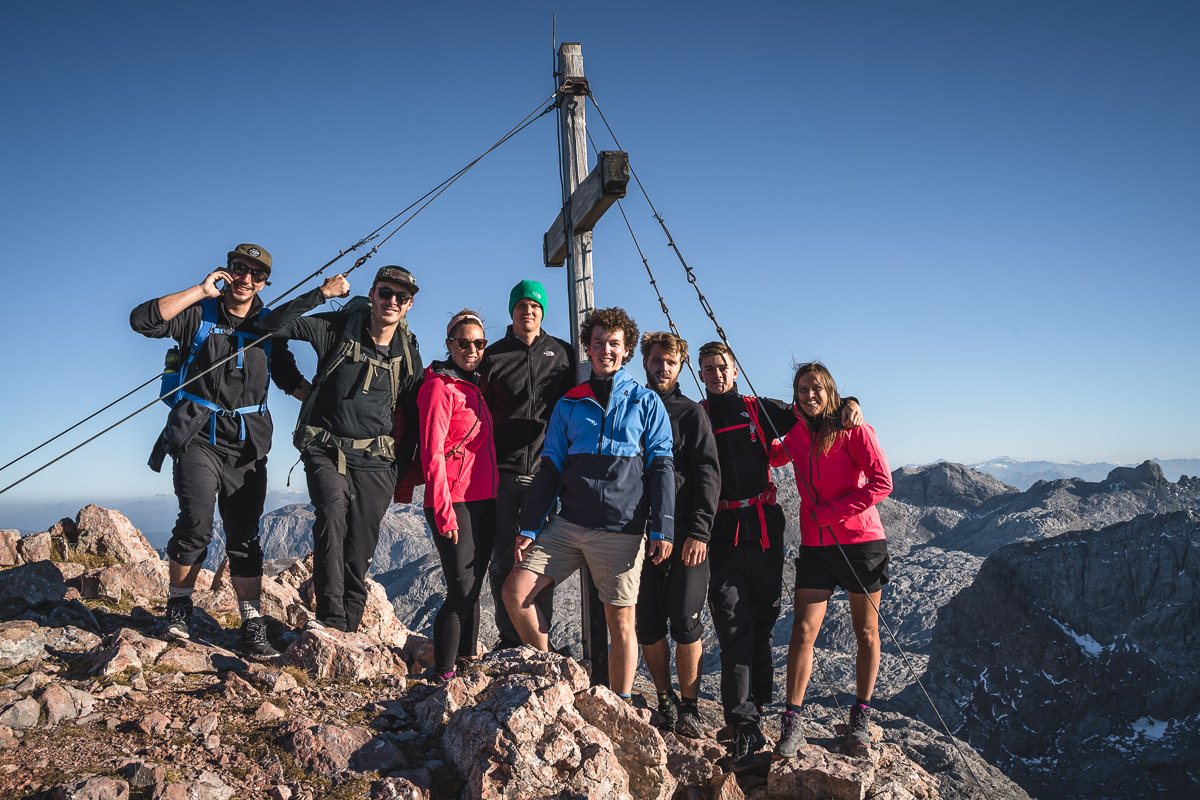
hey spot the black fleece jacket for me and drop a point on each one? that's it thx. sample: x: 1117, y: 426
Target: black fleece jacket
x: 697, y: 470
x: 521, y: 383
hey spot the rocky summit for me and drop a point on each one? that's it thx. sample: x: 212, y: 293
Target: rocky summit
x: 95, y: 704
x: 1054, y: 629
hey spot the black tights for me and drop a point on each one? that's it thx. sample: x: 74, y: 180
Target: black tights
x: 465, y: 564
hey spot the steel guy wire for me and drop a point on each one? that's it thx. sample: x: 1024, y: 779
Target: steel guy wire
x: 721, y: 333
x: 435, y: 192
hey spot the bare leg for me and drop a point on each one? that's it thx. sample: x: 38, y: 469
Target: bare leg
x: 810, y: 605
x: 520, y: 590
x: 866, y: 629
x: 623, y: 651
x: 687, y: 666
x: 183, y: 577
x: 658, y: 663
x: 247, y: 588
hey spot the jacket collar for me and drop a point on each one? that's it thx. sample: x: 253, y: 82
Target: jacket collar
x: 621, y: 379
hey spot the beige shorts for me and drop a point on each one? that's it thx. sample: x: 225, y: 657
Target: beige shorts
x: 614, y: 559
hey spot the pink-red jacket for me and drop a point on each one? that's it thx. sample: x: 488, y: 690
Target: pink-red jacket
x: 457, y: 452
x: 839, y: 490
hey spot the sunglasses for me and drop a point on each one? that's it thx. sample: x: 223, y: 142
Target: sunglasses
x: 387, y: 294
x: 466, y: 344
x: 238, y: 269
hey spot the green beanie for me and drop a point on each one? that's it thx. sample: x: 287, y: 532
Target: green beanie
x: 531, y: 289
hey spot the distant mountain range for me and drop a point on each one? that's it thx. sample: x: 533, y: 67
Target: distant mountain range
x: 1023, y: 474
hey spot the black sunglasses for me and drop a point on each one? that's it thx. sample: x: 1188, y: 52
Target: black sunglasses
x: 464, y: 343
x: 387, y: 294
x: 257, y: 275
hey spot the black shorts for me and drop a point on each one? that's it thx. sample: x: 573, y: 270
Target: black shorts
x: 826, y: 568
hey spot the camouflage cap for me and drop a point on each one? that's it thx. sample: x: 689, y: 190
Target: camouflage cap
x: 251, y: 252
x: 395, y: 274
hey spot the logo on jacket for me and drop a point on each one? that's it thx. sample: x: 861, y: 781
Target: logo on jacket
x: 548, y: 353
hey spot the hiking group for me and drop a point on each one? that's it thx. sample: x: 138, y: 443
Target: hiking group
x: 528, y: 477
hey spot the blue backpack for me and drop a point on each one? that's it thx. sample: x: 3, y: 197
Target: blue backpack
x: 176, y: 373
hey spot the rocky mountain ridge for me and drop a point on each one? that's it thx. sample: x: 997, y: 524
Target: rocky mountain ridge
x: 94, y: 705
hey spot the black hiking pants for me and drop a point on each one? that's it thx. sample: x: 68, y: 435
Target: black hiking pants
x: 464, y: 565
x: 240, y: 487
x: 744, y: 596
x: 348, y: 509
x: 512, y: 493
x: 671, y: 592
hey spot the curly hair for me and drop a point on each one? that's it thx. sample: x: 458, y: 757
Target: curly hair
x: 610, y: 319
x: 669, y: 342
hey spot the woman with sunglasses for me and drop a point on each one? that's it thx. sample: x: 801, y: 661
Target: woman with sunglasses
x: 458, y: 458
x: 841, y: 474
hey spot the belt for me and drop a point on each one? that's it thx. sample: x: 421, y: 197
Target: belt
x: 767, y: 498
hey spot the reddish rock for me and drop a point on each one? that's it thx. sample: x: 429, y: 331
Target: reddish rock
x: 21, y: 641
x: 298, y: 573
x: 638, y: 745
x: 725, y: 787
x: 204, y: 725
x: 377, y: 755
x: 108, y: 534
x: 275, y: 681
x: 7, y: 740
x: 8, y: 548
x: 435, y: 711
x: 215, y: 603
x: 186, y: 658
x: 62, y: 702
x: 115, y: 660
x: 69, y: 639
x: 34, y: 547
x: 498, y: 744
x: 146, y: 581
x: 379, y: 618
x: 142, y: 773
x: 282, y: 602
x: 236, y: 687
x: 148, y: 648
x: 324, y: 749
x: 20, y: 715
x: 816, y: 772
x: 332, y: 655
x: 71, y: 570
x: 92, y: 788
x: 692, y: 761
x: 203, y: 785
x: 397, y: 789
x: 269, y: 712
x: 155, y: 723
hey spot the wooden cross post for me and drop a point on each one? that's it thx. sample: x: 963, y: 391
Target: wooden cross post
x: 569, y: 241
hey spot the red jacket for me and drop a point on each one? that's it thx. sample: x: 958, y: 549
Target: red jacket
x: 457, y: 451
x: 839, y: 490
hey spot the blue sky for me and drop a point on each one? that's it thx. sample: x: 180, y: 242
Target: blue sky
x: 982, y: 217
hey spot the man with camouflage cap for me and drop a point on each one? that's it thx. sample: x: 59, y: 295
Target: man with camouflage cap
x: 368, y: 372
x: 219, y: 431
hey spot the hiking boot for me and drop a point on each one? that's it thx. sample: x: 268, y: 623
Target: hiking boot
x: 179, y: 618
x: 857, y: 733
x: 689, y: 723
x: 253, y: 641
x: 747, y: 741
x: 790, y: 738
x: 668, y: 706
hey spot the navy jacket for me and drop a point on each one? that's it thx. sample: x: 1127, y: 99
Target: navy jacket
x: 611, y: 467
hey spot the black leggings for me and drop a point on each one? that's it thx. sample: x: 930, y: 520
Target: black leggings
x: 456, y: 625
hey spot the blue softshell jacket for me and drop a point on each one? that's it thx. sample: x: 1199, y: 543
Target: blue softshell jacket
x: 611, y: 468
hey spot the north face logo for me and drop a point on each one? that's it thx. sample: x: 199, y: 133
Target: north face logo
x: 548, y: 353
